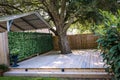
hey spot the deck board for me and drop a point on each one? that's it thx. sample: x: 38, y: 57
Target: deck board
x: 77, y: 59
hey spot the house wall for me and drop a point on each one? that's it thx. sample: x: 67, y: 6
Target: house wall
x: 4, y: 51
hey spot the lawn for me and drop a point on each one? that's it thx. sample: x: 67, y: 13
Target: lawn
x: 26, y: 78
x: 39, y: 78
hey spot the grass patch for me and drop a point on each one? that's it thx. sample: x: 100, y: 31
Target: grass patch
x: 39, y: 78
x: 26, y: 78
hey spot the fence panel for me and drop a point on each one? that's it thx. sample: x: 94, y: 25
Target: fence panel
x: 81, y: 41
x: 4, y: 51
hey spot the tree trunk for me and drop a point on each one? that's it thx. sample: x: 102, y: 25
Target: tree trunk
x: 64, y: 44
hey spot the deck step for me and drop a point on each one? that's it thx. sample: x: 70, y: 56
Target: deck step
x: 57, y: 72
x: 60, y: 74
x: 60, y: 69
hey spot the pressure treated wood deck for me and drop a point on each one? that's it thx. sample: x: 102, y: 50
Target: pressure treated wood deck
x: 79, y: 64
x: 77, y: 59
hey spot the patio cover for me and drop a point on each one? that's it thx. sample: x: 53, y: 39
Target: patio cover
x: 22, y: 22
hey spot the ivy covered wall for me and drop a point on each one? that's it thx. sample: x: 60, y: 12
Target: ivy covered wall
x: 29, y: 43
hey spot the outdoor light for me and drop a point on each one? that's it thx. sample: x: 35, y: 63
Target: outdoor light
x: 26, y: 70
x: 62, y: 70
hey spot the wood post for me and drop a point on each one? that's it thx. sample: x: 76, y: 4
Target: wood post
x: 4, y: 51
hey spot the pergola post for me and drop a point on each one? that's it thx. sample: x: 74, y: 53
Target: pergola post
x: 9, y: 23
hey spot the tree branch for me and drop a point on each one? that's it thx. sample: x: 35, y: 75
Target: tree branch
x: 48, y: 11
x: 63, y: 8
x: 54, y: 31
x: 13, y: 7
x: 51, y: 11
x: 70, y: 21
x: 54, y: 11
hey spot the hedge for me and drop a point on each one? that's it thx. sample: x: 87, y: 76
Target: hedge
x: 30, y: 43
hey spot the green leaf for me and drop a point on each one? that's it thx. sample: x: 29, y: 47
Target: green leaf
x: 119, y: 46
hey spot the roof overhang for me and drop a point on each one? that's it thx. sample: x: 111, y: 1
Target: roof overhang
x: 23, y: 22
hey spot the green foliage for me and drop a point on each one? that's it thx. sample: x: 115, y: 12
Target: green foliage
x: 110, y: 19
x: 15, y: 51
x: 79, y: 28
x: 109, y: 42
x: 4, y: 67
x: 28, y: 44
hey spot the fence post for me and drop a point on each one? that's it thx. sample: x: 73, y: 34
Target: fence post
x: 4, y: 51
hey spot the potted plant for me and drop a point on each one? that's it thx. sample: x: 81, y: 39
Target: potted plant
x: 14, y: 55
x: 3, y: 68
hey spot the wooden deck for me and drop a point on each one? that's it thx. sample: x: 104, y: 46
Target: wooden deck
x: 79, y: 64
x: 77, y: 59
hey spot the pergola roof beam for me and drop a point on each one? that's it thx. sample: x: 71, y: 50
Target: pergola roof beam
x: 32, y: 21
x: 29, y: 23
x: 3, y: 27
x: 18, y: 26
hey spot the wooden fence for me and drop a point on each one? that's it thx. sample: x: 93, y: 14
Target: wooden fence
x: 4, y: 51
x: 81, y: 41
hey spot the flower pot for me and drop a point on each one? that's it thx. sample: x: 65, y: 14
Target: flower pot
x: 15, y: 59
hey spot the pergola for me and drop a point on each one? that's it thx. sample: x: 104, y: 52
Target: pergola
x: 23, y: 22
x: 17, y: 23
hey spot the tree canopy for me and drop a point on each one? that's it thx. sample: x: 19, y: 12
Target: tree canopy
x: 87, y: 9
x: 60, y: 13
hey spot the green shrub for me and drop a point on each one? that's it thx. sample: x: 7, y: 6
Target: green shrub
x: 109, y: 42
x: 4, y: 67
x: 15, y: 51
